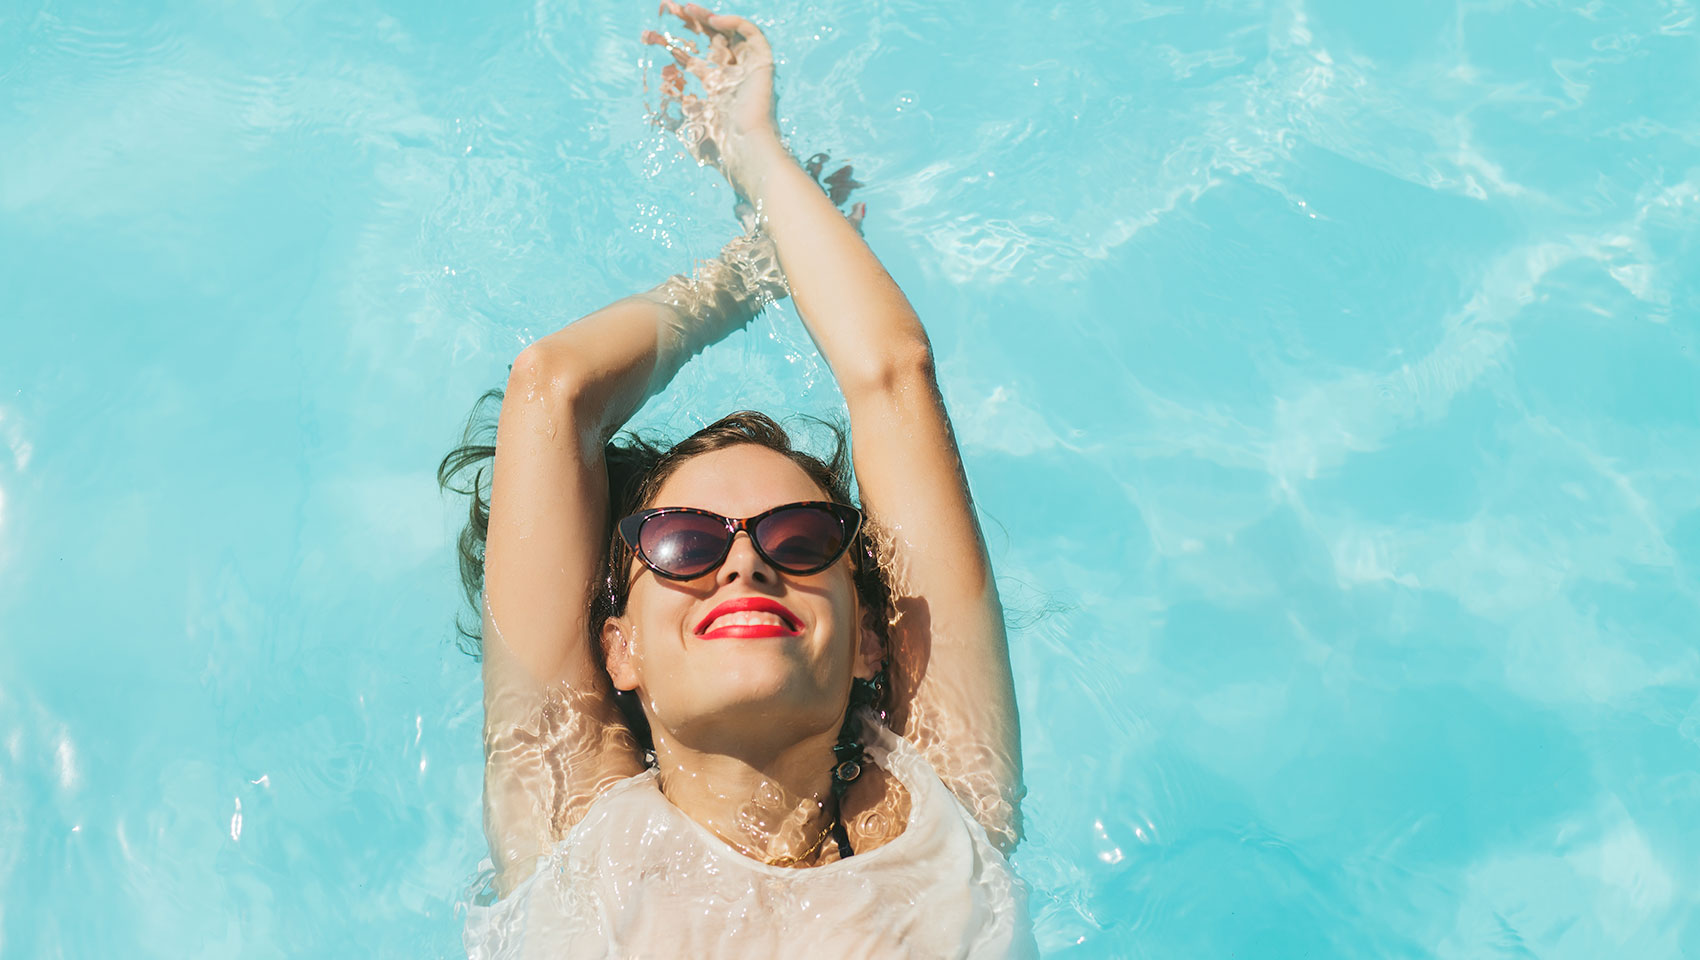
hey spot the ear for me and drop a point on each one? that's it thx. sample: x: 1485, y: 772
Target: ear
x: 617, y: 653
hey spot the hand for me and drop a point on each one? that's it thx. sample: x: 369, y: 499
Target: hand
x: 735, y: 113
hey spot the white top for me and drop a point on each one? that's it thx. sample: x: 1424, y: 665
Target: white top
x: 638, y: 878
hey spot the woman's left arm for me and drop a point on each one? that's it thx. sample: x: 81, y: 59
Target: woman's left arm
x: 955, y: 695
x: 954, y: 692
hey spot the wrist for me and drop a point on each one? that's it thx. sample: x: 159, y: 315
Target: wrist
x: 750, y: 165
x: 696, y: 310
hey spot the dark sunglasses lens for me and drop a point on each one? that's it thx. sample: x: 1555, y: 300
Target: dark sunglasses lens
x: 801, y: 538
x: 683, y: 544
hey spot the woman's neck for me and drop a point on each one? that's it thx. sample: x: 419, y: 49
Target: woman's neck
x: 775, y: 808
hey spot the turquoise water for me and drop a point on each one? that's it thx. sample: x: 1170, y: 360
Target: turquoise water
x: 1325, y: 373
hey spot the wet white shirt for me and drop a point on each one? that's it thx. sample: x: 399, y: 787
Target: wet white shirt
x: 638, y: 878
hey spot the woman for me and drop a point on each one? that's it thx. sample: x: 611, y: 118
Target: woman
x: 721, y: 721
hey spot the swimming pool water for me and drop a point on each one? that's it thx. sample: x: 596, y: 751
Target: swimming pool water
x: 1325, y: 373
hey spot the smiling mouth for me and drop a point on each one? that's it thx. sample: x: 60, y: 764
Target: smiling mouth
x: 750, y: 631
x: 743, y: 619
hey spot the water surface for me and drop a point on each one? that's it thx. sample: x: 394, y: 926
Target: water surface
x: 1325, y: 373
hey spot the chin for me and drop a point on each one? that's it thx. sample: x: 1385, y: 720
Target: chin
x: 733, y: 689
x: 757, y: 689
x: 757, y: 696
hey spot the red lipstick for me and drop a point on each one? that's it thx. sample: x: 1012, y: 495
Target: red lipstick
x: 793, y: 625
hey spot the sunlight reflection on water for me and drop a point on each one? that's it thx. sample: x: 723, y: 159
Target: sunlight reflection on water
x: 1325, y: 374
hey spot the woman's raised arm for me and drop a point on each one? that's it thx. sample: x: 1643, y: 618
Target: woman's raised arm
x: 553, y: 736
x: 567, y: 394
x: 956, y: 696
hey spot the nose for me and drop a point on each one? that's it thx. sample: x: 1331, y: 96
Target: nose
x: 744, y: 562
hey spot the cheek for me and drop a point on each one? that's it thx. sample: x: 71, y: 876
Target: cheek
x: 850, y: 599
x: 658, y: 624
x: 846, y: 615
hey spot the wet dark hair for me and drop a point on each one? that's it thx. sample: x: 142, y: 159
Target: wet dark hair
x: 637, y: 468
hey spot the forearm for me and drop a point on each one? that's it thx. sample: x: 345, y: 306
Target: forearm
x: 605, y: 364
x: 611, y: 361
x: 862, y: 323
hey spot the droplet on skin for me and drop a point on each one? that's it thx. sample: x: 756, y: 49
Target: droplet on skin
x: 750, y: 822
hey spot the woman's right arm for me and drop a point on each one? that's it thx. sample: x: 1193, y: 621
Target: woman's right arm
x: 567, y: 394
x: 553, y: 735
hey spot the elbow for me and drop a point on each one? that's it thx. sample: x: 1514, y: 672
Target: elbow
x: 894, y: 370
x: 542, y: 375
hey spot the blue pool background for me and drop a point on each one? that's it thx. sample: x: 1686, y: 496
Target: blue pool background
x: 1325, y: 373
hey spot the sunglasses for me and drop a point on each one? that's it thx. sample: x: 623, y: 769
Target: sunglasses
x: 683, y: 543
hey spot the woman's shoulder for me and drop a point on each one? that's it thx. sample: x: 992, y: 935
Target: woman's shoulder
x: 636, y: 795
x: 966, y: 794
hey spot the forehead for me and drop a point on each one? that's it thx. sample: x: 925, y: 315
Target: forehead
x: 737, y: 481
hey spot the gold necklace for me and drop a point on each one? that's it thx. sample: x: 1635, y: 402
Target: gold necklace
x: 785, y: 861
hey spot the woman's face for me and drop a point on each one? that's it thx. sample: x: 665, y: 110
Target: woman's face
x: 701, y: 689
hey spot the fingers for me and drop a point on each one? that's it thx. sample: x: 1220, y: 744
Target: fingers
x: 682, y: 51
x: 658, y: 39
x: 702, y: 20
x: 672, y: 82
x: 668, y: 6
x: 856, y: 215
x: 695, y: 23
x: 689, y: 112
x: 727, y: 24
x: 695, y: 20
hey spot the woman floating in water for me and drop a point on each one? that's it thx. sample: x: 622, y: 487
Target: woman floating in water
x: 728, y: 712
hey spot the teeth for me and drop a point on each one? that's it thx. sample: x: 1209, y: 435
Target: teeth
x: 747, y: 618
